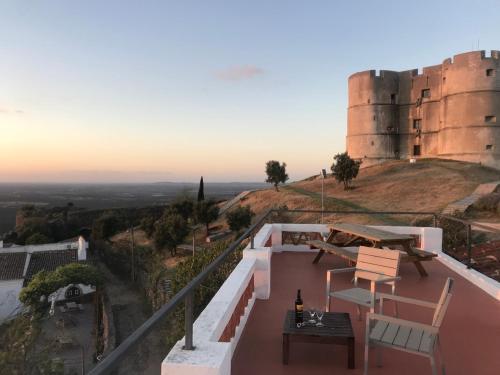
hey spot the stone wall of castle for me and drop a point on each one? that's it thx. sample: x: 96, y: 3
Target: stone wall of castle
x: 449, y: 111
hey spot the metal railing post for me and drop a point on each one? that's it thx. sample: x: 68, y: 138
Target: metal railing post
x: 435, y: 221
x: 252, y: 245
x: 188, y: 322
x: 469, y: 245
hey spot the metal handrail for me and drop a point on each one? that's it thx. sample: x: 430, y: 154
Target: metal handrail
x: 186, y: 294
x: 113, y: 359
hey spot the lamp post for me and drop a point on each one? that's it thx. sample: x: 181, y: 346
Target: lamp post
x: 323, y: 176
x: 132, y: 243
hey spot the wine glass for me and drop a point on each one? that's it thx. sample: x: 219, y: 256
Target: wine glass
x: 319, y: 315
x: 312, y: 313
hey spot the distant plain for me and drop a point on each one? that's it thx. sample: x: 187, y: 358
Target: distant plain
x: 98, y: 196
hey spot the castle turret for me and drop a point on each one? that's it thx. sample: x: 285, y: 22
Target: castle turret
x: 470, y: 127
x: 372, y: 116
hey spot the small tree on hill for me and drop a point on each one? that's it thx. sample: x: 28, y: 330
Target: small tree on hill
x: 345, y: 169
x: 240, y: 218
x: 201, y: 190
x: 206, y: 212
x: 276, y: 173
x: 184, y: 206
x: 170, y: 231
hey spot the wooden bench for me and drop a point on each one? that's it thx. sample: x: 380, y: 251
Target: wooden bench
x: 325, y: 247
x: 352, y: 254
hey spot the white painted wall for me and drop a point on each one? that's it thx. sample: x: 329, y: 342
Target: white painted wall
x: 212, y: 357
x: 59, y: 295
x: 81, y: 245
x: 10, y: 305
x: 431, y: 239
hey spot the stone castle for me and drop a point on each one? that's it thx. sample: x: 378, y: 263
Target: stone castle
x: 449, y: 111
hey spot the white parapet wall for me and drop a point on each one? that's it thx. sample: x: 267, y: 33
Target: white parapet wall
x: 211, y: 356
x: 431, y: 239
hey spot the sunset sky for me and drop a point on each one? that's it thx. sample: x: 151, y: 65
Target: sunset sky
x: 144, y: 91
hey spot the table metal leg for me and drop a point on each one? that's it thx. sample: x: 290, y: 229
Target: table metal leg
x: 318, y: 257
x: 350, y: 352
x: 286, y: 348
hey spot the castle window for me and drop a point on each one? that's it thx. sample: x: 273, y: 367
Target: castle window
x: 490, y: 119
x: 444, y: 80
x: 416, y: 150
x: 393, y: 98
x: 489, y: 147
x: 373, y: 143
x: 426, y: 93
x: 368, y: 101
x: 417, y: 123
x: 490, y: 72
x: 374, y: 117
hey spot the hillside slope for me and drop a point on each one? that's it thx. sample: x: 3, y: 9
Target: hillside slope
x: 429, y: 185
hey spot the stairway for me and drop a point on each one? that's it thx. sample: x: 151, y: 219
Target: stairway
x: 463, y: 204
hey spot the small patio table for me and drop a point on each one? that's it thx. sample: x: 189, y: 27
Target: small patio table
x: 337, y: 329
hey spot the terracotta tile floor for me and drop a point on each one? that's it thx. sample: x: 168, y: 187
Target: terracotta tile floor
x: 470, y: 334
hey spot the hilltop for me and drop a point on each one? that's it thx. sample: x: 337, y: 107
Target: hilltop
x: 426, y: 186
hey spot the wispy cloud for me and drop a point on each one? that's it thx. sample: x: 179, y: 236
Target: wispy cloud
x: 6, y: 111
x: 239, y: 73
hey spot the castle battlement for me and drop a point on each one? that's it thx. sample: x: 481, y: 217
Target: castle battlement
x: 450, y: 110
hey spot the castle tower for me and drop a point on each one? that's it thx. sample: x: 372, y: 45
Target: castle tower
x: 449, y: 111
x: 372, y: 132
x: 470, y: 108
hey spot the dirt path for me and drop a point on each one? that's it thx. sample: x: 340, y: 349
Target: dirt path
x: 129, y: 313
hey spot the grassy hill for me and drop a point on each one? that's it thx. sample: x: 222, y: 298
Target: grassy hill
x: 428, y: 185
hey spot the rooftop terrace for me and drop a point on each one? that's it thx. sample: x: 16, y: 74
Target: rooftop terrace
x: 470, y: 335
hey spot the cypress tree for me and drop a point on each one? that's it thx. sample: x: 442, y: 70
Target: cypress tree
x: 201, y: 191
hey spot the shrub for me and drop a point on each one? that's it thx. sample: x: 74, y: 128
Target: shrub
x: 205, y: 212
x: 37, y: 239
x: 170, y: 231
x: 488, y: 202
x: 240, y: 218
x: 190, y: 268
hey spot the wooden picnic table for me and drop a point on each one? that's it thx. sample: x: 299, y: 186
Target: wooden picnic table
x: 357, y: 233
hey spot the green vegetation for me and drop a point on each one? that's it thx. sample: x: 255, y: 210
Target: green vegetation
x: 37, y: 239
x: 45, y: 283
x: 170, y: 231
x: 18, y: 352
x: 205, y: 212
x: 276, y: 173
x: 489, y: 202
x: 240, y: 218
x: 184, y: 206
x: 345, y: 169
x: 185, y: 272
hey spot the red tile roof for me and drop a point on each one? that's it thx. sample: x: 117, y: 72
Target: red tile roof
x: 49, y: 261
x: 12, y: 265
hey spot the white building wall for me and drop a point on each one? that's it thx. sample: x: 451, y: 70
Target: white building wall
x: 10, y: 305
